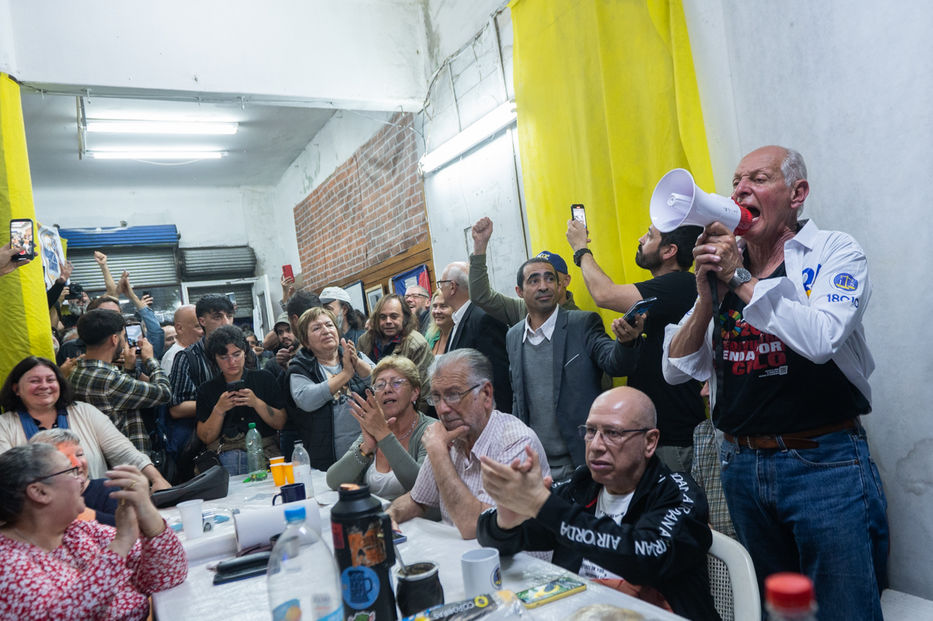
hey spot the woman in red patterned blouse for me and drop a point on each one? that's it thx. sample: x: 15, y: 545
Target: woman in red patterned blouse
x: 56, y: 567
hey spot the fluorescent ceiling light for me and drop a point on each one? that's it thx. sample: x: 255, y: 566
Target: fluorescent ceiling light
x: 161, y: 127
x: 481, y: 130
x: 156, y: 155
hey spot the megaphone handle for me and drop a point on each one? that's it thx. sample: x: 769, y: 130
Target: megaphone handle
x: 713, y: 289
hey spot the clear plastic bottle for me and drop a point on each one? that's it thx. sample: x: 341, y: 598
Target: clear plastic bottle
x: 302, y: 578
x: 255, y: 460
x: 301, y: 463
x: 789, y: 597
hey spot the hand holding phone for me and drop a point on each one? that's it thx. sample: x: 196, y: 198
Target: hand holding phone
x: 578, y: 213
x: 641, y: 307
x: 22, y: 236
x: 235, y: 386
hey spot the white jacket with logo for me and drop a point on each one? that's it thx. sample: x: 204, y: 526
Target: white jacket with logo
x: 816, y: 310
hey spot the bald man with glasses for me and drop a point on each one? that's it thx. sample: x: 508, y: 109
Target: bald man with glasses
x: 419, y: 301
x: 624, y: 519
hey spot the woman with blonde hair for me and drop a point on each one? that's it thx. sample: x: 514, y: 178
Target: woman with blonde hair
x: 388, y: 452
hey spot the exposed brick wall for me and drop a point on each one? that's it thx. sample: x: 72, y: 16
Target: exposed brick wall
x: 369, y: 209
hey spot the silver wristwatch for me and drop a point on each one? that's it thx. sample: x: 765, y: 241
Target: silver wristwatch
x: 739, y: 278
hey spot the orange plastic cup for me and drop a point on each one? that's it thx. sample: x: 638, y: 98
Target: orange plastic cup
x: 289, y: 472
x: 278, y: 474
x: 276, y: 460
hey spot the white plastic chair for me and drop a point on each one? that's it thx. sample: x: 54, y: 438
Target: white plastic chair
x: 732, y: 580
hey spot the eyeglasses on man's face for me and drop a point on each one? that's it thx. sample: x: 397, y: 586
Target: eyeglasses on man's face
x: 416, y: 295
x: 74, y: 471
x: 451, y: 397
x: 396, y: 384
x: 611, y: 435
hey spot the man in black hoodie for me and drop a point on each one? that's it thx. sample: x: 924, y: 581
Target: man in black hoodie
x: 624, y: 519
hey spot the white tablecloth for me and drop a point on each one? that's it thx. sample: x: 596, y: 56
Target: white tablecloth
x: 197, y: 598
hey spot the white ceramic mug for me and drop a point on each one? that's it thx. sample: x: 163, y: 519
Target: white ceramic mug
x: 481, y: 573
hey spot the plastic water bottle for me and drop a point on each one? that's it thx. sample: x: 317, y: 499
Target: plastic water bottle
x: 302, y: 578
x: 301, y: 462
x: 789, y: 597
x: 255, y: 460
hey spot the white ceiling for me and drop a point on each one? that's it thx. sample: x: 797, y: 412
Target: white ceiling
x: 269, y: 139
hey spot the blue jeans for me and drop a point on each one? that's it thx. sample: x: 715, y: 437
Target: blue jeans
x: 234, y: 461
x: 820, y: 512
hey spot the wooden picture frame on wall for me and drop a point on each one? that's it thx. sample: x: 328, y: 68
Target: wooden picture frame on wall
x: 373, y: 294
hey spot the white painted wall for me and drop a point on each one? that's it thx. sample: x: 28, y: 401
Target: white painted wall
x: 848, y: 84
x: 7, y: 56
x: 486, y: 182
x: 204, y: 216
x: 352, y: 53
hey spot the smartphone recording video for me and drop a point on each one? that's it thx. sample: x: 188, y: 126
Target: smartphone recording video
x: 578, y: 213
x: 22, y: 235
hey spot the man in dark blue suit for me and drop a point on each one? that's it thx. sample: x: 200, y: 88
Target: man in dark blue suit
x: 475, y: 329
x: 557, y: 358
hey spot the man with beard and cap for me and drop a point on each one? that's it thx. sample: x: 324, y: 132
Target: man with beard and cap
x: 668, y: 256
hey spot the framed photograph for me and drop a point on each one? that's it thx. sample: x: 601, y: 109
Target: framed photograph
x: 357, y: 295
x: 415, y: 276
x: 372, y: 296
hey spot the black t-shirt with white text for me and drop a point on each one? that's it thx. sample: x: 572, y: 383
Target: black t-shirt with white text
x: 767, y: 388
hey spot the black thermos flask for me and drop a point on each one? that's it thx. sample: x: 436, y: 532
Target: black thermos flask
x: 363, y: 546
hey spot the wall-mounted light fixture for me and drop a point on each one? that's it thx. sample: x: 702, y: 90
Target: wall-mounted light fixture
x: 500, y: 118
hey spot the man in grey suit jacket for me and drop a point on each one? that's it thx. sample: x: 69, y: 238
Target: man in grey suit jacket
x: 557, y: 358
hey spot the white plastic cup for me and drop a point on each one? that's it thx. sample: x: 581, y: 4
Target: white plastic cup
x: 191, y: 517
x: 481, y: 573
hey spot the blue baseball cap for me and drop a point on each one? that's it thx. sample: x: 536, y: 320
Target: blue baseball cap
x: 554, y: 259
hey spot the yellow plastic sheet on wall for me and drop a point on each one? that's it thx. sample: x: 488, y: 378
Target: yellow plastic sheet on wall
x: 607, y: 103
x: 24, y: 313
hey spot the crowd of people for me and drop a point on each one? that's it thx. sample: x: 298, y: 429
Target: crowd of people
x: 490, y: 412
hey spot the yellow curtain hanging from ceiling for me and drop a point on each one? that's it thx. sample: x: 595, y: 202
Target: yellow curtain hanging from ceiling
x: 24, y: 313
x: 607, y: 103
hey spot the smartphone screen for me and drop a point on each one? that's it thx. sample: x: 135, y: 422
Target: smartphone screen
x: 134, y: 332
x: 287, y: 271
x: 639, y: 308
x: 578, y: 213
x: 21, y: 234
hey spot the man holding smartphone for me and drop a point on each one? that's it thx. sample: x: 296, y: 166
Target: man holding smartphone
x: 668, y: 256
x: 98, y: 381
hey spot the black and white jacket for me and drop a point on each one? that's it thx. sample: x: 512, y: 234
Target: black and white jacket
x: 661, y: 542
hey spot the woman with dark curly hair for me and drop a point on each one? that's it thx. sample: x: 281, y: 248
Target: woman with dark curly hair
x: 238, y: 396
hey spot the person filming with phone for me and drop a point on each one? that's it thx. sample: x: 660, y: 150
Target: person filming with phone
x: 238, y: 396
x: 668, y: 256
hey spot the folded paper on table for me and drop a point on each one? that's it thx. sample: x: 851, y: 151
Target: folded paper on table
x: 255, y: 526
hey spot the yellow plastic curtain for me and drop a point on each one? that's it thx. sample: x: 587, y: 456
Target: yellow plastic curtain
x: 607, y: 103
x: 24, y: 313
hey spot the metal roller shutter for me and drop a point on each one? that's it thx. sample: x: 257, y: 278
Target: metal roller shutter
x: 210, y: 263
x: 243, y: 292
x: 148, y: 267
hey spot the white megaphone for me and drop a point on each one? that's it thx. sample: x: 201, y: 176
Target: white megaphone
x: 677, y: 201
